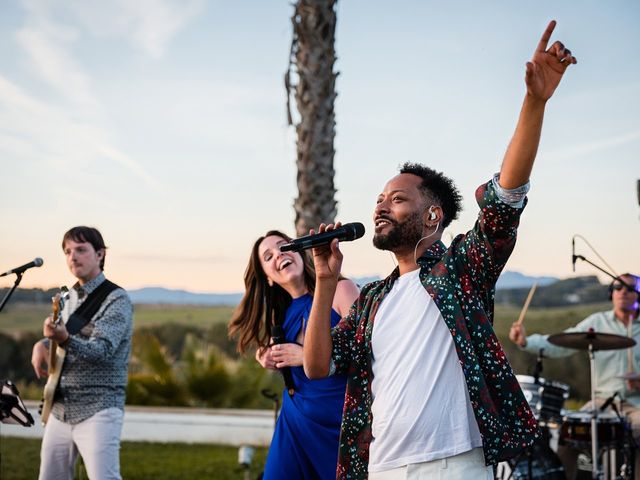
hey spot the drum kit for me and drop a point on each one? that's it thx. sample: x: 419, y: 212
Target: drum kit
x: 605, y: 435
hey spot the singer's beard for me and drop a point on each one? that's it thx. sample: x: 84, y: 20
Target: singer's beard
x: 401, y: 235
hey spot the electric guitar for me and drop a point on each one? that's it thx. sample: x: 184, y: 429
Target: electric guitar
x: 56, y: 357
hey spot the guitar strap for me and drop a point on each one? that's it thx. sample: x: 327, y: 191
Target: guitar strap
x: 85, y: 312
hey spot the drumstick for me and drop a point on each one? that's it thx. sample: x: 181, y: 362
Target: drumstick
x: 526, y: 303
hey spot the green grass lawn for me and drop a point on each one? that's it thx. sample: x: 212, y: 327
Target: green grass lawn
x: 20, y: 459
x: 29, y: 317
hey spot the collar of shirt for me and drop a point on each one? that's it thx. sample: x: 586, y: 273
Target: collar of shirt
x: 428, y: 259
x: 90, y: 286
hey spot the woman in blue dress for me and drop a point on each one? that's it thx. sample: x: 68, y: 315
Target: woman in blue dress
x: 279, y: 288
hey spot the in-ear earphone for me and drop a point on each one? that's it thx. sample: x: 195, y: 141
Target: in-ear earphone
x: 432, y: 214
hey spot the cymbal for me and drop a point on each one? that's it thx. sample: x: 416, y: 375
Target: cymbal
x: 630, y: 376
x: 600, y: 341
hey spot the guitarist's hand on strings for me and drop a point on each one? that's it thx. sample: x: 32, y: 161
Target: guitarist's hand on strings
x: 40, y: 353
x: 55, y: 331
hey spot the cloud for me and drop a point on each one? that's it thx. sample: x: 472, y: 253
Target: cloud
x: 39, y: 132
x: 67, y: 126
x: 587, y: 148
x: 48, y: 48
x: 124, y: 160
x: 149, y: 25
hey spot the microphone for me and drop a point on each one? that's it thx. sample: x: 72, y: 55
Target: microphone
x: 278, y: 337
x: 345, y: 233
x: 573, y: 253
x: 608, y: 402
x: 36, y: 263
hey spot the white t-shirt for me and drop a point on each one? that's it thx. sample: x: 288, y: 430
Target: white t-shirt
x: 421, y: 409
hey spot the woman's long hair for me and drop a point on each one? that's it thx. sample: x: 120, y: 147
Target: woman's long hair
x: 262, y: 305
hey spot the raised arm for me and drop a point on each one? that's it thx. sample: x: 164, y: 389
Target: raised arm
x: 543, y: 75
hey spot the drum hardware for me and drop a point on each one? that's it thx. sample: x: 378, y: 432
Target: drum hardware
x: 616, y: 444
x: 538, y: 462
x: 537, y: 370
x: 592, y: 342
x: 584, y: 340
x: 545, y: 397
x: 576, y: 430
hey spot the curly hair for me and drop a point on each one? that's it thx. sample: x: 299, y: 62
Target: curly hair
x: 438, y: 188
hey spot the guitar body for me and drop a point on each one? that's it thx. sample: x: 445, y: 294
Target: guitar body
x: 55, y: 368
x: 56, y: 359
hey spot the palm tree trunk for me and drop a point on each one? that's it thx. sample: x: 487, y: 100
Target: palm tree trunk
x: 314, y: 25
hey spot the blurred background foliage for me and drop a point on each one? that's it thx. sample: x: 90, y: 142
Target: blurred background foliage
x: 181, y: 355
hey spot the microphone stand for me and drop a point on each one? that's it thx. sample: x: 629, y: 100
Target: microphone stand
x: 595, y: 472
x: 538, y: 368
x: 10, y: 292
x: 613, y: 277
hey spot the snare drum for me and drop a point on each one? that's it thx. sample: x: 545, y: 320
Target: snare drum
x: 576, y: 430
x: 546, y: 398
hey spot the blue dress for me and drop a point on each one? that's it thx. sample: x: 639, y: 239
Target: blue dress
x: 305, y: 441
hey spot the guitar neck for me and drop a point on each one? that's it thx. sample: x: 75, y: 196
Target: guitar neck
x: 53, y: 345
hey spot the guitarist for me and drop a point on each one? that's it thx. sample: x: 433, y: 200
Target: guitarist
x: 88, y: 406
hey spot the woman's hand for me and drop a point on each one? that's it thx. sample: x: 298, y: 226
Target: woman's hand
x: 287, y: 355
x: 265, y: 358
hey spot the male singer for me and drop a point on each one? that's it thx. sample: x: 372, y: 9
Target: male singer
x: 430, y: 393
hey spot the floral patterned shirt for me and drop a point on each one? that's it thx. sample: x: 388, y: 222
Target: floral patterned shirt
x: 461, y: 280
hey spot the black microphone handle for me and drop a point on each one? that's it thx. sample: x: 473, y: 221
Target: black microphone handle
x: 573, y: 253
x: 344, y: 233
x: 278, y: 338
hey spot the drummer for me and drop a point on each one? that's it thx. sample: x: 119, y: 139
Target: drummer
x: 611, y: 365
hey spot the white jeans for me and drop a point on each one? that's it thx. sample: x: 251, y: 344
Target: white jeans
x: 97, y: 439
x: 465, y: 466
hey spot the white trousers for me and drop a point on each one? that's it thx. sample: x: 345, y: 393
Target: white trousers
x: 97, y: 439
x: 465, y: 466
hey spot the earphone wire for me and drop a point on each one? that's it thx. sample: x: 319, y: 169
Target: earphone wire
x: 393, y: 260
x: 415, y: 250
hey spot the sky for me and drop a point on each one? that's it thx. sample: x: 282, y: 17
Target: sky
x: 163, y: 124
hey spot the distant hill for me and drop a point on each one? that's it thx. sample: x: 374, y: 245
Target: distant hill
x: 571, y: 291
x: 182, y: 297
x: 506, y: 280
x: 512, y: 289
x: 519, y: 280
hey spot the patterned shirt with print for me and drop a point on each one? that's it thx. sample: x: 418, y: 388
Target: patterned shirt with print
x: 461, y: 280
x: 94, y: 373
